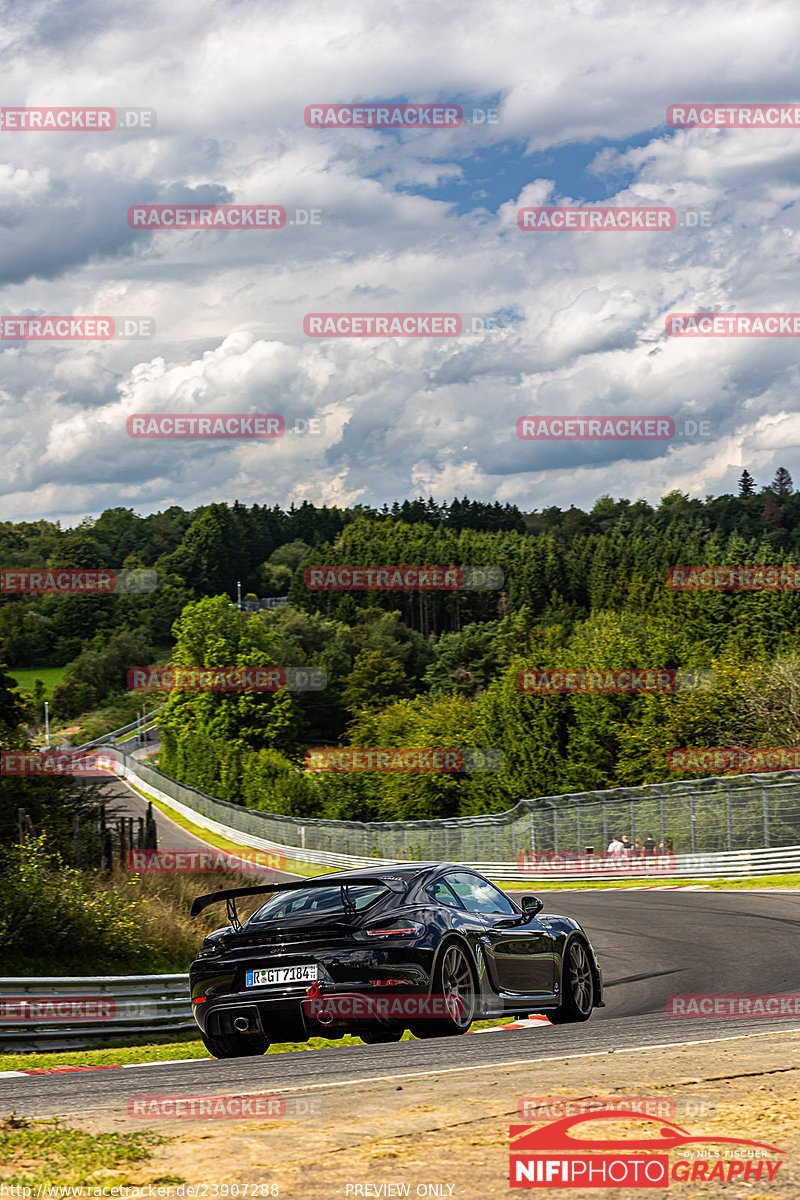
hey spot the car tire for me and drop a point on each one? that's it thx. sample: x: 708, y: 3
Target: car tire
x: 454, y: 976
x: 235, y: 1045
x: 577, y: 985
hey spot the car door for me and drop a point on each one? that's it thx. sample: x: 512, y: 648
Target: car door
x: 518, y: 947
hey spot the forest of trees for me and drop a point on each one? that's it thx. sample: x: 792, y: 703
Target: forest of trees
x: 581, y: 590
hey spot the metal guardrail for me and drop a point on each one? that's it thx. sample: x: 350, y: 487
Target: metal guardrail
x: 132, y: 728
x: 69, y: 1011
x: 78, y: 1011
x: 740, y: 864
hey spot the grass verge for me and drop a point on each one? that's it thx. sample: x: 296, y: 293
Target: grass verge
x: 214, y: 839
x: 48, y: 1153
x: 790, y: 882
x: 186, y: 1047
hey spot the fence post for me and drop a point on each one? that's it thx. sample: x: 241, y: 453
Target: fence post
x: 580, y: 839
x: 533, y: 829
x: 694, y: 823
x: 633, y: 822
x: 766, y: 813
x: 729, y: 813
x: 605, y: 827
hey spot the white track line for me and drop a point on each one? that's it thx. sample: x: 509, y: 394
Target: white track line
x: 514, y: 1062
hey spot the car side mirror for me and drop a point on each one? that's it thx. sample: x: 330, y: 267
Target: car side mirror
x: 532, y: 905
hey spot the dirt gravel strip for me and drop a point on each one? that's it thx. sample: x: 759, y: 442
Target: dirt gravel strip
x: 446, y: 1134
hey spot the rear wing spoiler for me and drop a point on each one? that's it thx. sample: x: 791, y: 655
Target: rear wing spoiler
x: 230, y: 895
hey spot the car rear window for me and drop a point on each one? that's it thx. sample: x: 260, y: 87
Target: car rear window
x: 312, y: 901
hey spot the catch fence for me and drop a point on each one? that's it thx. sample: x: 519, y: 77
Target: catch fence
x: 701, y: 816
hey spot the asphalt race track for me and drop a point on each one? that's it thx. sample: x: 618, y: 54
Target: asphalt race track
x: 651, y: 945
x: 128, y: 803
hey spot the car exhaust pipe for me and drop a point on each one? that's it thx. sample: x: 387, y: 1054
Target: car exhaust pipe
x: 242, y: 1024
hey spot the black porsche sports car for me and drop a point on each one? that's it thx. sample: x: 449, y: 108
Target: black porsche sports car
x: 429, y: 947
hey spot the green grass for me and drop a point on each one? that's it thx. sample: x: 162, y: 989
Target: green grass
x: 25, y: 677
x: 48, y: 1153
x: 757, y: 881
x: 572, y: 885
x: 111, y: 1056
x: 221, y: 843
x: 754, y: 881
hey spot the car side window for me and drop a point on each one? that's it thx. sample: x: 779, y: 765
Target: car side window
x: 478, y: 895
x: 444, y: 895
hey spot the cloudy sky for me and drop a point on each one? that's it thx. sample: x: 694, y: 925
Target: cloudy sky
x: 414, y: 221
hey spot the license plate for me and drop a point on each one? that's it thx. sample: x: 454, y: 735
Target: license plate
x: 306, y: 973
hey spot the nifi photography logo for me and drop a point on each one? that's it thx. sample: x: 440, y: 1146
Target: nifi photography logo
x: 653, y: 1152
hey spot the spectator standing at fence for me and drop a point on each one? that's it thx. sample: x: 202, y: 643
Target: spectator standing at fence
x: 649, y: 845
x: 627, y: 848
x: 615, y: 846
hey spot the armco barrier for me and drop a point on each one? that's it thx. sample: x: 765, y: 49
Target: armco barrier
x: 75, y: 1011
x: 131, y: 730
x: 722, y: 865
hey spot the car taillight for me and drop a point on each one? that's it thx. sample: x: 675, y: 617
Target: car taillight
x: 406, y: 929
